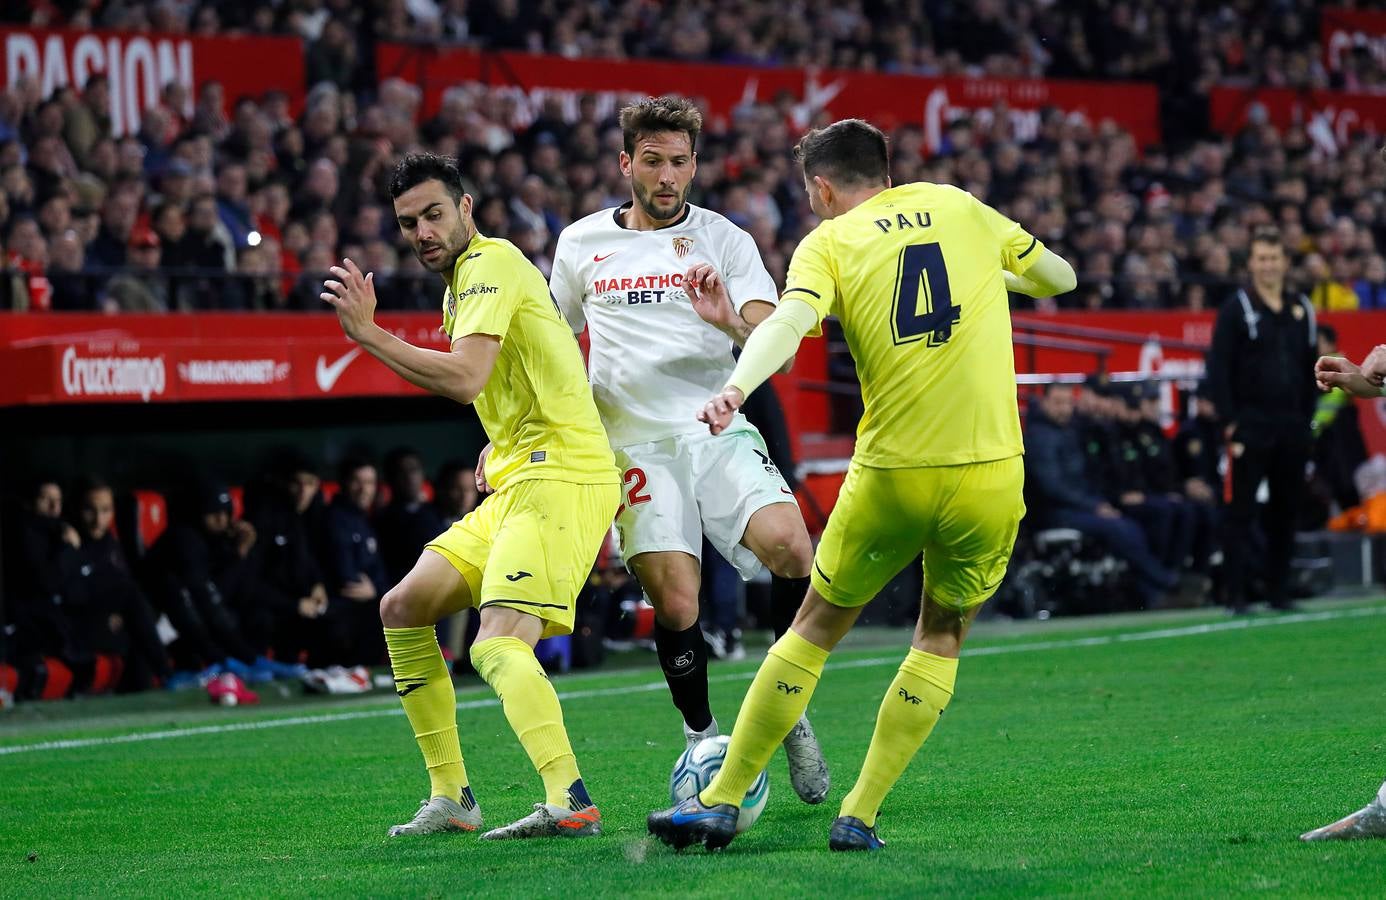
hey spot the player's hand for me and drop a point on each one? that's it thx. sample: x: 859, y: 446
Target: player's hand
x: 708, y: 293
x: 482, y: 485
x: 1374, y: 366
x: 1336, y: 372
x: 718, y: 411
x: 353, y: 297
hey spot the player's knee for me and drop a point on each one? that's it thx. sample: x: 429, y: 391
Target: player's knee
x: 399, y: 608
x: 791, y: 553
x: 676, y: 609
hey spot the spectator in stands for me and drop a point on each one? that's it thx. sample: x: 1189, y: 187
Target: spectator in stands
x: 1261, y: 369
x: 1062, y: 496
x: 1328, y: 294
x: 119, y: 618
x: 454, y: 490
x: 140, y: 289
x: 408, y: 522
x: 1338, y: 445
x: 1198, y: 449
x: 1371, y: 287
x: 357, y: 578
x: 1196, y: 513
x: 118, y: 215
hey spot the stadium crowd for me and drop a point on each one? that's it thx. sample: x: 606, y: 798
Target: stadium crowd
x: 158, y: 220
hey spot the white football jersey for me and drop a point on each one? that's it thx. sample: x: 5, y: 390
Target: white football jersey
x: 653, y: 362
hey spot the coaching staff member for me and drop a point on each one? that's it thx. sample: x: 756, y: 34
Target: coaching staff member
x: 1261, y: 372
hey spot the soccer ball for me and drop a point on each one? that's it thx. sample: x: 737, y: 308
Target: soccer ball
x: 696, y: 767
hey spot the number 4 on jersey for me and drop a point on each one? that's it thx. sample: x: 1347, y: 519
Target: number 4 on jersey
x: 921, y: 271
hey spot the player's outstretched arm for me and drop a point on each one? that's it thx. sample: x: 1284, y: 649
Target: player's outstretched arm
x: 1049, y: 276
x: 774, y: 342
x: 458, y: 375
x: 707, y: 292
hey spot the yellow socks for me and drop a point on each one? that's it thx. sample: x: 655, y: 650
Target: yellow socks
x: 916, y: 698
x: 531, y: 707
x: 775, y: 701
x: 425, y: 688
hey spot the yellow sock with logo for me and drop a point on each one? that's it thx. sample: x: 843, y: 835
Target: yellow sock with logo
x: 425, y: 688
x: 532, y: 709
x: 912, y: 706
x: 775, y: 701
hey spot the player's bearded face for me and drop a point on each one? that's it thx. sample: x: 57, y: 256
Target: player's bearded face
x: 661, y: 173
x: 436, y: 226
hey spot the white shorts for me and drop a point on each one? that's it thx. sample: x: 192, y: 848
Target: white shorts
x: 678, y: 489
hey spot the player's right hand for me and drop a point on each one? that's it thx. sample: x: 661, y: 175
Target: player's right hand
x: 482, y: 485
x: 718, y: 411
x: 1335, y: 371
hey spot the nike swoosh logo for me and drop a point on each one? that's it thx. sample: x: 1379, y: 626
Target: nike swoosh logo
x: 518, y: 575
x: 473, y: 256
x: 605, y: 258
x: 328, y: 374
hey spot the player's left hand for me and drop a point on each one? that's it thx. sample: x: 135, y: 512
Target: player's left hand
x: 708, y: 293
x: 1334, y: 371
x: 353, y: 297
x: 718, y: 411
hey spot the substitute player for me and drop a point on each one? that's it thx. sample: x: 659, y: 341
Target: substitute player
x: 657, y: 350
x: 918, y: 275
x: 522, y: 555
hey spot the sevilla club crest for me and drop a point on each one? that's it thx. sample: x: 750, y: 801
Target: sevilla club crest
x: 683, y: 246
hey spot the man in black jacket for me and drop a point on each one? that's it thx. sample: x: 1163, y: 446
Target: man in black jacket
x: 118, y: 618
x: 356, y: 571
x: 408, y: 522
x: 1261, y: 372
x: 1061, y: 496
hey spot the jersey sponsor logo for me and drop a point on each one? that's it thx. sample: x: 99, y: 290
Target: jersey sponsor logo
x: 112, y: 376
x: 683, y: 246
x: 478, y: 289
x: 639, y: 289
x: 596, y: 257
x: 232, y: 371
x: 328, y: 373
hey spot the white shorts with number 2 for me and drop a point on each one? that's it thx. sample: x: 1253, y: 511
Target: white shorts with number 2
x: 680, y: 488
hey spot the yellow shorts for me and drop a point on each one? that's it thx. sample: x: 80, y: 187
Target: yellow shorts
x: 530, y: 546
x: 964, y: 518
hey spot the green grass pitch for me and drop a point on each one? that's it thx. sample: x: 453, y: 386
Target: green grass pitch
x: 1162, y: 755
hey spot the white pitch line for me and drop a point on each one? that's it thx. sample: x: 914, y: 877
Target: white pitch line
x: 1001, y: 649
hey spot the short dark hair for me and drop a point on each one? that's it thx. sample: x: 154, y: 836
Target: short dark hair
x: 654, y: 115
x: 416, y: 168
x: 850, y: 151
x: 350, y: 466
x: 1329, y: 333
x: 1267, y: 234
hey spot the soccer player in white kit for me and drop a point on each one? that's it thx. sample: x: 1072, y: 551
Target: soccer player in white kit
x: 659, y: 348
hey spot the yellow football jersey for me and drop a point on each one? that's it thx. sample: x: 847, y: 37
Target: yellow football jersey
x: 536, y: 407
x: 914, y: 275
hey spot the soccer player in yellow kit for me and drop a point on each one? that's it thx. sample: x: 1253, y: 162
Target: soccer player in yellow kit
x: 521, y: 556
x: 918, y: 276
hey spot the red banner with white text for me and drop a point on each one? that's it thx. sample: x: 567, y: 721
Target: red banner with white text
x: 886, y: 100
x: 1332, y: 118
x: 137, y: 66
x: 1344, y: 32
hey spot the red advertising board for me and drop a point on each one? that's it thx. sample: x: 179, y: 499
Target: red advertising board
x: 1342, y: 31
x: 887, y: 100
x: 1332, y: 117
x: 138, y: 66
x: 53, y: 359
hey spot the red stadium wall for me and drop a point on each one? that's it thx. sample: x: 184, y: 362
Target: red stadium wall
x: 138, y: 65
x: 1342, y: 30
x: 887, y: 100
x: 1332, y: 117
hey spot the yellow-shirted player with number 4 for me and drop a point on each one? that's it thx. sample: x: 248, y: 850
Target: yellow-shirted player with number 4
x: 918, y: 276
x: 521, y: 556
